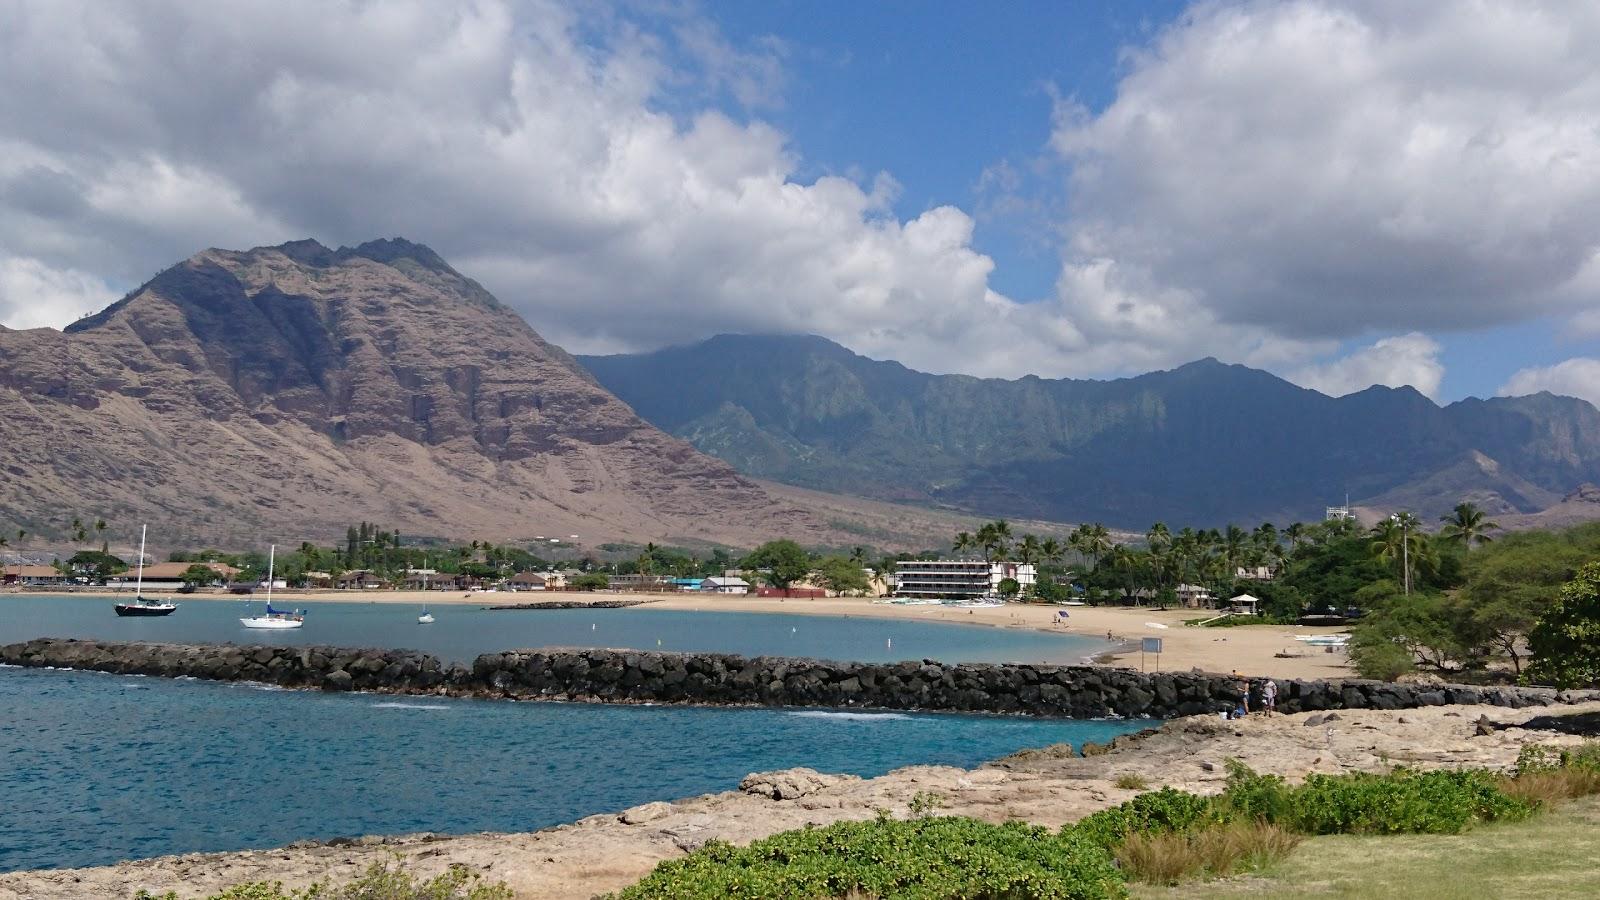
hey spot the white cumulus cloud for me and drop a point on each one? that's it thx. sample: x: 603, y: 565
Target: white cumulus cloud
x: 1318, y: 169
x: 1270, y: 180
x: 1408, y: 359
x: 33, y: 295
x: 1579, y: 377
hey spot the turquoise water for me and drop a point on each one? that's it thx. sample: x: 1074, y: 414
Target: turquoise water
x: 95, y: 768
x: 462, y: 632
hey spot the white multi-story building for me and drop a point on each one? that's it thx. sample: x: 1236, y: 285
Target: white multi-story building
x: 954, y: 579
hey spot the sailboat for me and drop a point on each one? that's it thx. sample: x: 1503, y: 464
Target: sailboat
x: 142, y: 605
x: 274, y: 618
x: 426, y: 618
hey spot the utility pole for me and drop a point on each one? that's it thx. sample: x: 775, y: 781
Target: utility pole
x: 1405, y: 551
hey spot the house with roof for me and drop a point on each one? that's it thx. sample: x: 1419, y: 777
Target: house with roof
x: 536, y: 581
x: 168, y: 576
x: 725, y: 584
x: 1194, y: 596
x: 359, y: 580
x: 25, y: 575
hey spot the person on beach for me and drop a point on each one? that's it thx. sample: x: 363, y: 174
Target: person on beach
x: 1244, y: 697
x: 1269, y: 697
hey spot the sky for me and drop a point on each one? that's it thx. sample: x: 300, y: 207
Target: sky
x: 1343, y: 192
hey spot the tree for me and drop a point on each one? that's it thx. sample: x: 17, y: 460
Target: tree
x: 1008, y: 587
x: 1511, y: 583
x: 1467, y: 526
x: 1234, y: 541
x: 841, y: 575
x: 1051, y: 551
x: 782, y: 562
x: 964, y: 543
x: 1565, y: 644
x: 198, y: 575
x: 593, y: 581
x: 98, y: 565
x: 1029, y: 550
x: 1296, y: 533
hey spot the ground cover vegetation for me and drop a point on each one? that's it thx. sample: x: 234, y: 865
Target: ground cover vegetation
x: 1159, y: 837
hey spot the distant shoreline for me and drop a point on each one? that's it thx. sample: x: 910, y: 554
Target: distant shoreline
x: 1257, y: 650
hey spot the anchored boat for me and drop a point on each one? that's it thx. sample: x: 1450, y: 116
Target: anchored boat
x: 274, y: 618
x: 141, y: 605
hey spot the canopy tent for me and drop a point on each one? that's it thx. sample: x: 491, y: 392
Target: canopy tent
x: 1244, y: 603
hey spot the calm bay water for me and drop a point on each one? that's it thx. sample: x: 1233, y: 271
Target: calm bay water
x: 462, y: 632
x: 95, y: 768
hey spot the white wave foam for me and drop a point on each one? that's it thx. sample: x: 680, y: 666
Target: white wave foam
x: 849, y: 716
x: 409, y: 706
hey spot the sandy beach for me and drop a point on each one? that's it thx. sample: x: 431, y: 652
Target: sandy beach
x: 1248, y: 649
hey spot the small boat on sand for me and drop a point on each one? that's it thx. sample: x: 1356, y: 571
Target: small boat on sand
x: 141, y: 605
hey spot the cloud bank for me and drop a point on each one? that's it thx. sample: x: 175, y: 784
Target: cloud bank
x: 1270, y: 182
x: 1578, y: 377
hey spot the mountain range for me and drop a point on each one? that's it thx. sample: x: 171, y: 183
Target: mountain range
x: 1202, y: 444
x: 286, y: 392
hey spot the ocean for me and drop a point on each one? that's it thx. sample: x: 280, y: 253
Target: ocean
x: 461, y: 632
x: 97, y: 768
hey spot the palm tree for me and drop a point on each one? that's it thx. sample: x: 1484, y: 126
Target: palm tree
x: 1233, y: 546
x: 1050, y: 550
x: 1029, y: 551
x: 1002, y: 537
x: 858, y: 555
x: 964, y: 542
x: 1095, y: 542
x: 1466, y: 526
x: 1396, y: 540
x: 1296, y: 533
x: 1158, y: 537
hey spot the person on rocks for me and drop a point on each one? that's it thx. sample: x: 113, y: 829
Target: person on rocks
x: 1269, y: 697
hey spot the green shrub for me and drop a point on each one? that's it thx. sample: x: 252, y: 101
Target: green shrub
x: 925, y: 802
x: 1250, y: 796
x: 1402, y: 802
x: 1131, y: 781
x: 1168, y: 809
x: 916, y: 859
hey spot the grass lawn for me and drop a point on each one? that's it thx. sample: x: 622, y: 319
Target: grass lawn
x: 1556, y: 854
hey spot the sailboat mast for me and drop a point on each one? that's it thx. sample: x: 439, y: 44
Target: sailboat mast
x: 138, y: 588
x: 272, y: 555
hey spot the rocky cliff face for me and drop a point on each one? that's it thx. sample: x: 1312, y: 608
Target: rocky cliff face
x: 284, y: 392
x: 1202, y: 444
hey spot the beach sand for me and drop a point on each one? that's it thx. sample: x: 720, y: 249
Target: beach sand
x: 1248, y: 649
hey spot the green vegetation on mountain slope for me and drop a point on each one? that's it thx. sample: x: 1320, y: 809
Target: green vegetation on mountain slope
x: 1202, y: 443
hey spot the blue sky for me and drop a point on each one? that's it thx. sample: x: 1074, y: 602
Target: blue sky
x: 939, y: 92
x: 936, y: 93
x: 1343, y: 192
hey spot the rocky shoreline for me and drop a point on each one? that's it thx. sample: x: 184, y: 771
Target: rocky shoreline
x: 625, y: 676
x: 1050, y: 786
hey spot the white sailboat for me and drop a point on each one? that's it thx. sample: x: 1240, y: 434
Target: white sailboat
x: 142, y: 605
x: 426, y: 618
x: 274, y: 618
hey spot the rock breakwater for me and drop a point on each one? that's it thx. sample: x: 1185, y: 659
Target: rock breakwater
x: 625, y: 676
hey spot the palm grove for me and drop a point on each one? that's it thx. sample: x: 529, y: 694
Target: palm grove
x: 1453, y: 600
